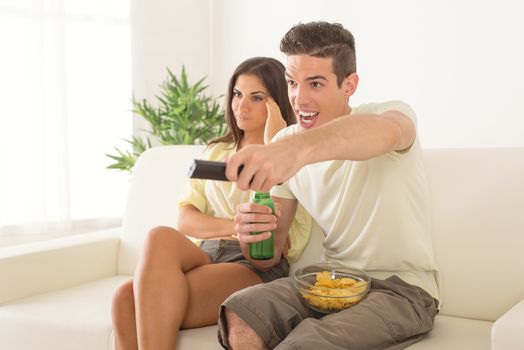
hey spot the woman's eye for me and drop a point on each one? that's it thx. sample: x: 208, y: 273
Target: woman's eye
x: 257, y: 98
x: 236, y: 93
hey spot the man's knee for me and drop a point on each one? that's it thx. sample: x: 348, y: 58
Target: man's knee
x: 240, y: 334
x: 236, y: 326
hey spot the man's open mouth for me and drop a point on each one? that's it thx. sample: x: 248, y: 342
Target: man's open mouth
x: 308, y: 119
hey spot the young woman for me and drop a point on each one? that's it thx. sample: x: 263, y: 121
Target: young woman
x: 179, y: 284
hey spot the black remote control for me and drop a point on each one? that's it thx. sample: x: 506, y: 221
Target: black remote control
x: 209, y: 170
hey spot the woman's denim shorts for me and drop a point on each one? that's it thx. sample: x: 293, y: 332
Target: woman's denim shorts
x: 226, y: 250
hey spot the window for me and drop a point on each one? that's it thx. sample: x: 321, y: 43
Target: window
x: 65, y: 90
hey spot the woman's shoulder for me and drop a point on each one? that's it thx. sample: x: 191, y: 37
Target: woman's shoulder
x: 219, y: 151
x: 291, y: 129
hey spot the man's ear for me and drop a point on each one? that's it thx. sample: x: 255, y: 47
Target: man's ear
x: 350, y: 84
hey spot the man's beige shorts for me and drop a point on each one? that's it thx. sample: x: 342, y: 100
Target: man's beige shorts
x: 393, y: 315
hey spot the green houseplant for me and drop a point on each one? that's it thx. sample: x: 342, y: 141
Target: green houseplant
x: 184, y: 116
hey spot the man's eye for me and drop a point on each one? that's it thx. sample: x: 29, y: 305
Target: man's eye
x: 291, y: 83
x: 316, y: 84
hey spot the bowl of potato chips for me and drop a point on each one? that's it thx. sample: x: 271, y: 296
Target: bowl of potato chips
x: 329, y: 287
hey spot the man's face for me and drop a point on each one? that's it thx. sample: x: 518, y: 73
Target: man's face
x: 313, y: 90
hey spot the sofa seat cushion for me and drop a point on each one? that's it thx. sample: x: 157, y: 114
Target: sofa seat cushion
x: 455, y: 333
x: 80, y: 317
x: 204, y: 338
x: 507, y: 331
x: 451, y: 333
x: 75, y: 318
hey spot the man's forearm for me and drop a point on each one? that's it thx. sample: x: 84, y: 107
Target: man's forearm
x: 353, y: 137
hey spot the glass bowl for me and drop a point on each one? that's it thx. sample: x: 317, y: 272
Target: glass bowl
x: 329, y: 287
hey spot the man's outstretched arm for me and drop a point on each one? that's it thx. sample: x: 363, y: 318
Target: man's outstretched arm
x: 352, y: 137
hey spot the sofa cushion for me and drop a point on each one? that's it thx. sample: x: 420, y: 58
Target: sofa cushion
x: 79, y: 318
x: 455, y: 333
x: 75, y: 318
x: 204, y: 338
x: 477, y: 222
x: 449, y: 333
x: 507, y: 332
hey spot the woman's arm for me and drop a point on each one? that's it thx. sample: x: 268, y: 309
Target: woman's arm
x: 274, y: 122
x: 193, y: 223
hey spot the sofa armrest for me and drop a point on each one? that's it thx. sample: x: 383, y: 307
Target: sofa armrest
x: 40, y: 267
x: 507, y: 332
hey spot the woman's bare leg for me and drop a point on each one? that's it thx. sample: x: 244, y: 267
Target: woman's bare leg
x: 160, y: 288
x: 178, y: 281
x: 123, y: 314
x: 209, y: 286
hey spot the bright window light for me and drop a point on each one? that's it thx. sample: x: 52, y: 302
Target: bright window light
x: 65, y: 87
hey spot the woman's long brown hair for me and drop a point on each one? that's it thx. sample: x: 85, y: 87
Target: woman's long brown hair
x: 272, y: 74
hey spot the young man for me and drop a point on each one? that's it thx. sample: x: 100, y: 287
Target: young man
x: 358, y: 172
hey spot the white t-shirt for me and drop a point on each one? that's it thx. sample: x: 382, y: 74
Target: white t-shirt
x: 374, y: 213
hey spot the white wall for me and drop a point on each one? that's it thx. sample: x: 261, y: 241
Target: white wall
x: 168, y: 34
x: 458, y: 63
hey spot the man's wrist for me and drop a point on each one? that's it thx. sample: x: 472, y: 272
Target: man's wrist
x: 305, y: 150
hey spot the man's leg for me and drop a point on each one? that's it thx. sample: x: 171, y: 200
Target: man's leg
x: 392, y: 316
x: 241, y: 336
x: 269, y: 310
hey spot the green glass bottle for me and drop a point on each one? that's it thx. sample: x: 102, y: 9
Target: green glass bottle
x: 263, y: 250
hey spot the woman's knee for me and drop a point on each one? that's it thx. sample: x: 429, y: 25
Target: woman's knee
x: 165, y: 246
x: 123, y: 297
x: 162, y: 238
x: 159, y: 235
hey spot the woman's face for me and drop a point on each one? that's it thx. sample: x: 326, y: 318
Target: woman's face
x: 249, y: 103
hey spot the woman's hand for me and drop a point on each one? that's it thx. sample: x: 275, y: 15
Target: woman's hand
x: 274, y: 122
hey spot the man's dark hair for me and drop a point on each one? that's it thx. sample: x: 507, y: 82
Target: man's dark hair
x: 323, y: 39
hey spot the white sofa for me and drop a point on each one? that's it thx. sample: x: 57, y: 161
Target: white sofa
x: 56, y: 295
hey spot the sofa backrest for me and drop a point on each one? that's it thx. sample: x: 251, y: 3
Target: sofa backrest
x: 477, y: 200
x: 159, y: 176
